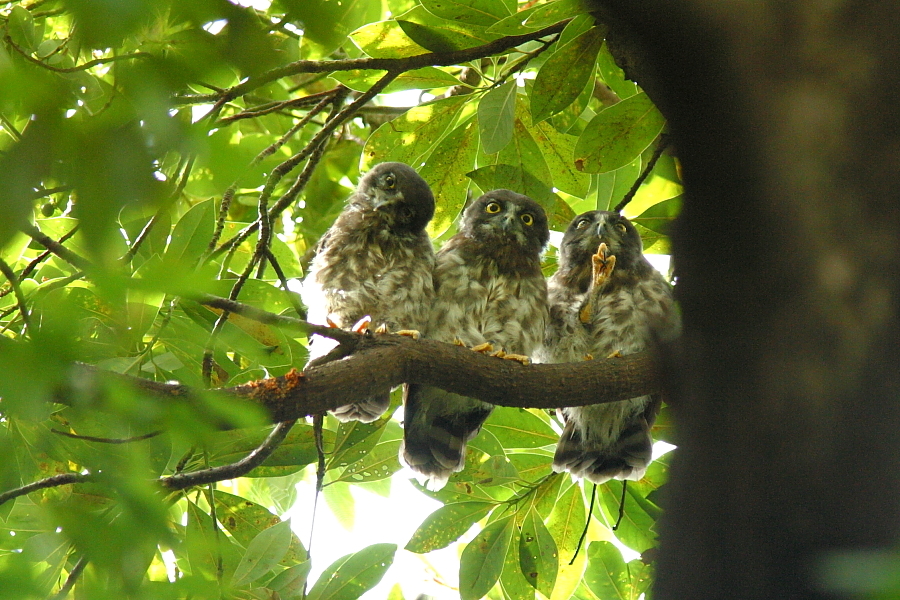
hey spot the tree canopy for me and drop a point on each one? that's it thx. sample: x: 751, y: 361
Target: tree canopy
x: 166, y: 169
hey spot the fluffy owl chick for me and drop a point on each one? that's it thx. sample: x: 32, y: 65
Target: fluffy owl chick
x: 488, y: 289
x: 600, y: 305
x: 375, y: 260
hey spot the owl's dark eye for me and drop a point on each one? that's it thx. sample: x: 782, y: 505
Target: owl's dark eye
x: 390, y: 181
x: 621, y: 227
x: 582, y: 224
x: 492, y: 208
x: 527, y: 219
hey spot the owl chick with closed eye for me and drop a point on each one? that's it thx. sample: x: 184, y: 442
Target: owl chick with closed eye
x: 488, y: 289
x: 376, y: 260
x: 606, y: 299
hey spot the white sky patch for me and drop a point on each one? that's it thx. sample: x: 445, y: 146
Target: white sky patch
x: 404, y: 98
x: 214, y: 27
x: 257, y: 4
x: 198, y: 111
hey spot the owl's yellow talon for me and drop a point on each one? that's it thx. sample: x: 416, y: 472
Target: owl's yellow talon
x: 409, y: 333
x: 484, y: 348
x: 521, y: 358
x: 499, y: 353
x: 331, y: 323
x: 383, y: 328
x: 588, y: 357
x: 458, y: 342
x: 615, y: 354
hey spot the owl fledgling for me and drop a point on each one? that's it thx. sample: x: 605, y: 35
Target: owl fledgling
x: 375, y: 260
x: 606, y: 300
x: 488, y: 289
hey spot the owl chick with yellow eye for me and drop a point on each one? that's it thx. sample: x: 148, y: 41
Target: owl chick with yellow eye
x: 606, y: 299
x: 375, y: 261
x: 488, y: 290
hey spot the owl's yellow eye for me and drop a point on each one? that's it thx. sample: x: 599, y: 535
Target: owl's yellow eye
x: 527, y: 219
x: 390, y: 181
x: 621, y: 227
x: 492, y: 208
x: 582, y: 224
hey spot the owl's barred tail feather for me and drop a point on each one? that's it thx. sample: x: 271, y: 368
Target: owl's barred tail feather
x: 598, y: 460
x: 365, y: 411
x: 437, y: 426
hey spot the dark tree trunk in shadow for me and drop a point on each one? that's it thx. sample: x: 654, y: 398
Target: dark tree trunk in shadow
x: 786, y: 120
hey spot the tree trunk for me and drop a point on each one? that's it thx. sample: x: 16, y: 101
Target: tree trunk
x: 785, y: 118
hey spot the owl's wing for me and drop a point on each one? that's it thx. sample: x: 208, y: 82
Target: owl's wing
x: 436, y: 427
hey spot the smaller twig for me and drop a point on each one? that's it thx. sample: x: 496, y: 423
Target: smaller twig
x: 227, y: 197
x: 292, y: 298
x: 271, y: 107
x: 43, y: 255
x: 318, y: 421
x: 663, y: 143
x: 44, y: 192
x: 271, y: 149
x: 240, y: 468
x: 7, y: 125
x: 20, y: 297
x: 621, y: 505
x: 55, y: 247
x: 49, y: 482
x: 74, y: 574
x: 77, y: 68
x: 587, y: 524
x: 89, y: 438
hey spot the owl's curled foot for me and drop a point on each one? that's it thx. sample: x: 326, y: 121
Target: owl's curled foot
x: 414, y: 334
x: 484, y: 348
x: 520, y: 358
x: 362, y: 325
x: 603, y: 264
x: 382, y: 329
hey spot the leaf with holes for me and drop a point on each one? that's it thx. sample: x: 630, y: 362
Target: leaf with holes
x: 445, y: 525
x: 482, y: 561
x: 537, y: 554
x: 379, y: 464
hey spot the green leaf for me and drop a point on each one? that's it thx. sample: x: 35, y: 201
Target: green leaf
x: 563, y: 75
x: 637, y: 527
x: 246, y: 520
x: 538, y: 17
x: 328, y: 23
x: 445, y: 171
x: 410, y: 136
x: 291, y: 582
x: 523, y: 151
x: 618, y: 135
x: 531, y: 467
x: 612, y: 186
x: 426, y: 78
x: 512, y: 582
x: 380, y: 463
x: 476, y: 12
x: 445, y: 525
x: 191, y: 236
x: 204, y: 548
x: 613, y: 76
x: 482, y: 561
x: 354, y: 440
x: 496, y: 112
x: 608, y: 576
x: 513, y: 178
x: 385, y: 39
x: 263, y: 553
x: 21, y: 28
x: 537, y: 554
x: 520, y: 428
x: 660, y: 216
x: 565, y: 525
x: 559, y: 152
x: 351, y: 576
x: 441, y: 35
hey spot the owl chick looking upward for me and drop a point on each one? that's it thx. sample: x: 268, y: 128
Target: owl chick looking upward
x: 606, y: 299
x: 376, y: 260
x: 488, y: 289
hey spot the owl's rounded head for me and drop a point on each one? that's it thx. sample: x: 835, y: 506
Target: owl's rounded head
x: 397, y: 192
x: 588, y: 230
x: 502, y: 216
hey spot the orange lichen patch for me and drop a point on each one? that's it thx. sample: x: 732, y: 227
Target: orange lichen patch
x: 276, y: 386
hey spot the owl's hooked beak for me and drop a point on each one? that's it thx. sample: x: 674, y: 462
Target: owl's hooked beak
x: 382, y: 199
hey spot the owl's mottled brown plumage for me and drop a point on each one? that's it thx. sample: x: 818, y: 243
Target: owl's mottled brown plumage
x: 375, y: 260
x: 488, y: 288
x: 597, y: 312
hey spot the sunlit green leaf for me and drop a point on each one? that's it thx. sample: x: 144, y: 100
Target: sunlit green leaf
x: 618, y: 135
x: 445, y: 171
x: 420, y: 79
x: 351, y: 576
x: 264, y: 552
x: 477, y: 12
x: 520, y: 428
x: 496, y: 112
x: 482, y: 561
x: 564, y: 74
x: 385, y: 39
x: 380, y: 463
x: 537, y: 554
x: 445, y: 525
